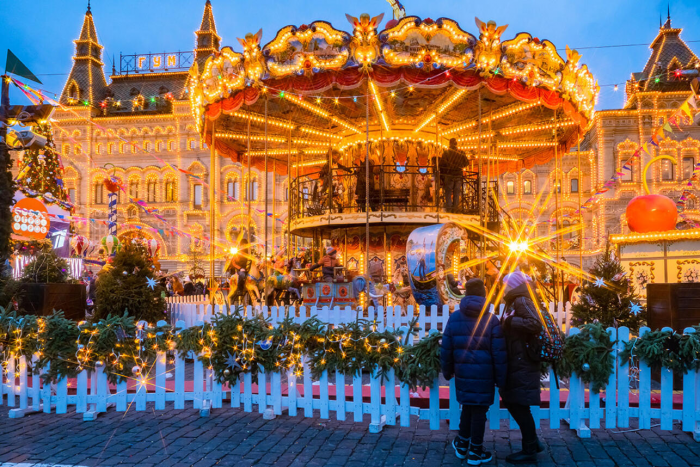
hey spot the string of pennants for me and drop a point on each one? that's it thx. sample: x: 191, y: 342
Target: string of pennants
x: 33, y: 94
x: 660, y: 134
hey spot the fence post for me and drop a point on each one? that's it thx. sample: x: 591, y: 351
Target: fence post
x: 644, y: 389
x: 666, y: 395
x: 689, y: 380
x: 623, y: 381
x: 577, y: 398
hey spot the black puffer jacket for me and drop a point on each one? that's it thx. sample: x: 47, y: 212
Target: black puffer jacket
x: 474, y: 351
x: 521, y: 329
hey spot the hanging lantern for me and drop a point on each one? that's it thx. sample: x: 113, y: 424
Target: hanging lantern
x: 79, y: 245
x: 111, y: 244
x: 153, y: 248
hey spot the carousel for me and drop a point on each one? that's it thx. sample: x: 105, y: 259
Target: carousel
x: 392, y: 140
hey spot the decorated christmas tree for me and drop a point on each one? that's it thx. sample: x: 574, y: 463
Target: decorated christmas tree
x: 41, y: 173
x: 129, y: 284
x: 609, y: 299
x: 46, y: 268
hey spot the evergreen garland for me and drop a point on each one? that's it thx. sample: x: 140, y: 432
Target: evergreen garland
x: 590, y: 354
x: 46, y: 268
x: 58, y: 346
x: 665, y: 349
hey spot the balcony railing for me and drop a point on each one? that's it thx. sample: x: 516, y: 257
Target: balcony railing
x: 392, y: 188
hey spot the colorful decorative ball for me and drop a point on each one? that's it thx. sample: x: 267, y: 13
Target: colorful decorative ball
x: 136, y: 370
x: 586, y: 367
x: 227, y: 372
x: 125, y: 273
x: 651, y: 213
x: 152, y: 246
x: 79, y: 244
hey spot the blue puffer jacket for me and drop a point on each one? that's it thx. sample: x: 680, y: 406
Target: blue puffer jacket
x: 474, y: 352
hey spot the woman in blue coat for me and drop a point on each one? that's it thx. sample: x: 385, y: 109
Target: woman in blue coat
x: 474, y: 352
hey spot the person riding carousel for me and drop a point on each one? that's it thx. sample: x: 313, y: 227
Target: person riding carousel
x: 328, y: 262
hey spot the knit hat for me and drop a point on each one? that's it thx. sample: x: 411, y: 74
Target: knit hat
x: 330, y: 251
x: 514, y: 279
x: 475, y: 287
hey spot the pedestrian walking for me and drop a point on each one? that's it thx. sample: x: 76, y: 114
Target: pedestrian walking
x: 474, y: 352
x: 521, y: 326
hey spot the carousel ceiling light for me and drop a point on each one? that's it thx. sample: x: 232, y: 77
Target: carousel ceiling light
x: 322, y: 113
x: 508, y: 111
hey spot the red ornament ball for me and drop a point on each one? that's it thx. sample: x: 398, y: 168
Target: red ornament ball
x: 651, y: 213
x: 111, y: 186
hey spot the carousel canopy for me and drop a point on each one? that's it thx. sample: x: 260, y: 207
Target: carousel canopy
x: 417, y: 83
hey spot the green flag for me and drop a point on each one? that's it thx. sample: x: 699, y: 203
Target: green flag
x: 15, y: 66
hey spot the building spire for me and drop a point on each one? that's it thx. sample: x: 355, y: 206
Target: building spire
x: 208, y: 40
x: 667, y: 24
x: 86, y: 82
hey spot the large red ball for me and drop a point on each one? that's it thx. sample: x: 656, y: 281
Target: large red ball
x: 651, y: 213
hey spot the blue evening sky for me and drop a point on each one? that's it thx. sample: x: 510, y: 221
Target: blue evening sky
x: 40, y: 32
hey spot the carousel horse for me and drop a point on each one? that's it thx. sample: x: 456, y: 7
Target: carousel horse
x: 252, y: 284
x: 401, y: 288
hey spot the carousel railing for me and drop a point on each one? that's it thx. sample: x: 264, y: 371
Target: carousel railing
x: 392, y: 188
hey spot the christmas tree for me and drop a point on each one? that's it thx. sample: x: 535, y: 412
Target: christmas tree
x: 610, y: 299
x: 196, y: 270
x: 129, y: 284
x: 41, y: 172
x: 46, y: 268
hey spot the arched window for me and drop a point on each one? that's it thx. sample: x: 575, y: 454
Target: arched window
x: 159, y: 146
x: 71, y: 195
x: 688, y: 167
x: 110, y: 148
x: 134, y: 188
x: 232, y: 189
x: 252, y: 190
x: 169, y: 190
x: 286, y: 193
x: 527, y: 187
x: 99, y: 190
x: 171, y: 145
x: 146, y: 146
x: 198, y: 196
x: 510, y: 187
x: 151, y: 190
x: 193, y: 145
x: 132, y: 212
x: 574, y: 185
x: 98, y: 149
x: 240, y: 231
x: 78, y: 149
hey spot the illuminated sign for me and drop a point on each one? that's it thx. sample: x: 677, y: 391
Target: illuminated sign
x: 30, y: 219
x: 152, y: 63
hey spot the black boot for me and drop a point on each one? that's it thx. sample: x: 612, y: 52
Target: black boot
x: 478, y: 456
x: 461, y: 446
x: 527, y: 456
x: 540, y: 446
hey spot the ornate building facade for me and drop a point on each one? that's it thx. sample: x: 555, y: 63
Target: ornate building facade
x: 152, y: 110
x: 652, y: 96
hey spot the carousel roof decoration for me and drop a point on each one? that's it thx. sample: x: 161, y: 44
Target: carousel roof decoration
x: 424, y: 77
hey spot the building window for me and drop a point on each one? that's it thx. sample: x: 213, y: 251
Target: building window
x: 159, y: 146
x: 98, y: 193
x: 688, y: 166
x: 574, y: 185
x: 193, y: 145
x: 71, y: 194
x: 510, y: 187
x: 134, y: 188
x: 151, y: 191
x: 98, y: 149
x: 527, y: 187
x: 171, y: 145
x: 146, y: 146
x: 286, y: 193
x: 667, y: 170
x: 557, y: 186
x: 78, y: 149
x: 110, y: 148
x: 252, y: 191
x: 232, y: 189
x: 170, y: 191
x: 198, y: 196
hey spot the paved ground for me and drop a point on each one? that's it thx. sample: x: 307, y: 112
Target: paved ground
x: 231, y: 437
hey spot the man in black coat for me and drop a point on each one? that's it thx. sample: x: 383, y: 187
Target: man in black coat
x: 521, y: 325
x: 474, y: 352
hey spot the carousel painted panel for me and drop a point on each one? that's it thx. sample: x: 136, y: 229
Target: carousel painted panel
x: 307, y: 49
x: 421, y: 261
x: 683, y: 270
x: 428, y: 44
x: 642, y: 250
x: 644, y: 272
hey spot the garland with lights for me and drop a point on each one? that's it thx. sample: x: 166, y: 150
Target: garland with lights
x: 665, y: 349
x: 590, y: 354
x: 233, y: 344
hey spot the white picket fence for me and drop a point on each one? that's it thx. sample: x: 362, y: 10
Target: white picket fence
x: 387, y: 401
x: 198, y: 310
